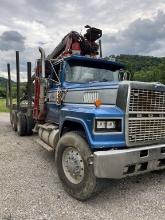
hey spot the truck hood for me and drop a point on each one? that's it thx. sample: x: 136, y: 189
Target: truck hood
x: 89, y: 92
x: 91, y: 85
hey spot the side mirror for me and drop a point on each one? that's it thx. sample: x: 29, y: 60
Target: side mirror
x: 124, y: 75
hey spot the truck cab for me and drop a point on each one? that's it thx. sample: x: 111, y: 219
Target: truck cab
x: 84, y: 81
x: 106, y: 125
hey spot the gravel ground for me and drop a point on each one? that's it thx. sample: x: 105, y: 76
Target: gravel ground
x: 30, y: 188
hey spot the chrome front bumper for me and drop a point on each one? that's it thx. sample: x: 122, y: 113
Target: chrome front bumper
x: 116, y: 164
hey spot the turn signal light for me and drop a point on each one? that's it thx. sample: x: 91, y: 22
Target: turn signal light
x: 97, y: 102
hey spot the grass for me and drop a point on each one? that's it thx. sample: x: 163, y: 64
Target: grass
x: 3, y: 105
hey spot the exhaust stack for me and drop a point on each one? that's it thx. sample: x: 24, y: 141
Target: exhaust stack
x: 29, y: 85
x: 42, y: 81
x: 41, y: 50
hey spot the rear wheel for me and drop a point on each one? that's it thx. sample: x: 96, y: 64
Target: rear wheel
x: 11, y: 117
x: 21, y: 124
x: 74, y: 170
x: 29, y: 125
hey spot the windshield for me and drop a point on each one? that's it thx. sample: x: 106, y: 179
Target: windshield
x: 84, y: 74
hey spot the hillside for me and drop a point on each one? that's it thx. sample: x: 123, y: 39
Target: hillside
x: 144, y: 68
x: 3, y: 83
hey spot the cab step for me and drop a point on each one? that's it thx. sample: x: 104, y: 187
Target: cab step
x: 44, y: 145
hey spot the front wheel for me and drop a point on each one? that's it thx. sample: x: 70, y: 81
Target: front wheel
x: 73, y: 167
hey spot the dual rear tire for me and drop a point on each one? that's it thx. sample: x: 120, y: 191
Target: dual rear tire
x: 22, y: 123
x: 13, y: 119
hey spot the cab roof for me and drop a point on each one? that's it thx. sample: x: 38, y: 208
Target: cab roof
x: 94, y: 62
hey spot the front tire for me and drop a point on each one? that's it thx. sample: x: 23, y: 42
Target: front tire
x: 72, y: 162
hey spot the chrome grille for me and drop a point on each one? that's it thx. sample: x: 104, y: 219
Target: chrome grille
x: 143, y: 100
x: 147, y: 130
x: 146, y: 116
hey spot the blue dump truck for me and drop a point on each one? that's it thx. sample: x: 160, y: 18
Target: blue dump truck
x: 99, y: 123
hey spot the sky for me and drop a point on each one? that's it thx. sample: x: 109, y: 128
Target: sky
x: 129, y: 27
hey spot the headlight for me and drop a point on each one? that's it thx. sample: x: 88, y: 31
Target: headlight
x: 108, y: 125
x: 101, y: 124
x: 111, y: 124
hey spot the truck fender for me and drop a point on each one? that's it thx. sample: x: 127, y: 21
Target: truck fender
x: 72, y: 124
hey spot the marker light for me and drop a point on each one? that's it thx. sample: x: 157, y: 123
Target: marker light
x: 97, y: 102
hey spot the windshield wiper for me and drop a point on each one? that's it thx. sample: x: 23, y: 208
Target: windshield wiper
x: 96, y: 81
x: 104, y: 80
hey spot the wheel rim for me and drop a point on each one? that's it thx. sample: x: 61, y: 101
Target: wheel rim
x: 73, y: 165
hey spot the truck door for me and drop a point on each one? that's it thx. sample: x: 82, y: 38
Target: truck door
x: 53, y: 109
